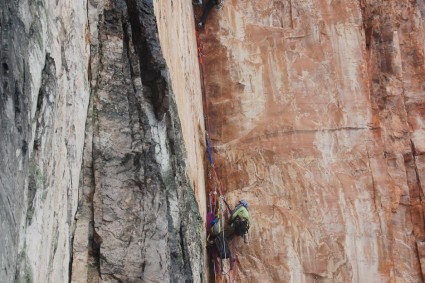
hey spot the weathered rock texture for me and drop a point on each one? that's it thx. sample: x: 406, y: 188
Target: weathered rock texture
x: 178, y: 44
x: 43, y: 102
x: 138, y: 219
x: 316, y: 112
x: 317, y: 117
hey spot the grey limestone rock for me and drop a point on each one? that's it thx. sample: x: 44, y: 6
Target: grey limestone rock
x: 43, y: 78
x: 139, y: 217
x: 123, y: 210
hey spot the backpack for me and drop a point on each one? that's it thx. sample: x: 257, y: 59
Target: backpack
x: 222, y: 247
x: 216, y: 227
x: 241, y: 226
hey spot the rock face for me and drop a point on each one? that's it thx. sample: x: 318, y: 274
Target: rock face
x: 139, y: 217
x: 44, y: 60
x: 315, y: 113
x: 131, y: 215
x: 178, y: 45
x: 316, y: 116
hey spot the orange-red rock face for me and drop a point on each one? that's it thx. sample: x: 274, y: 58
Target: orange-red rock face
x: 316, y: 113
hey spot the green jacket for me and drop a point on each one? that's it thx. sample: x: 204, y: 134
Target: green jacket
x: 242, y: 212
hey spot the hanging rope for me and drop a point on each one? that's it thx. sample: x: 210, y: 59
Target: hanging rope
x: 216, y: 197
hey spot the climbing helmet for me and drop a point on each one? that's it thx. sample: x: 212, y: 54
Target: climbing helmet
x: 244, y: 203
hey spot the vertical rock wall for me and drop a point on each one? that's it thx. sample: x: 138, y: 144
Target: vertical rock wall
x: 177, y: 36
x: 395, y: 40
x: 316, y: 112
x: 138, y: 220
x: 176, y: 32
x: 44, y: 95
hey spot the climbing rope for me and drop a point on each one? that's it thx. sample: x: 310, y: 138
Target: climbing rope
x: 216, y: 197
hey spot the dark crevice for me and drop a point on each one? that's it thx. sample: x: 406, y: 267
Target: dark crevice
x: 134, y: 105
x: 36, y: 178
x: 71, y: 259
x: 95, y: 249
x: 418, y: 179
x: 147, y: 46
x: 94, y: 240
x: 5, y: 69
x: 140, y: 59
x: 115, y: 278
x: 183, y: 245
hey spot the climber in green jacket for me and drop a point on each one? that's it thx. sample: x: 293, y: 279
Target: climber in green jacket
x: 240, y: 220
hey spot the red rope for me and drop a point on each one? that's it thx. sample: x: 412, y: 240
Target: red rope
x: 205, y: 98
x: 214, y: 200
x: 204, y: 83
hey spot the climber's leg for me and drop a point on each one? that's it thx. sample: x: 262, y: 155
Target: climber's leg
x: 210, y: 4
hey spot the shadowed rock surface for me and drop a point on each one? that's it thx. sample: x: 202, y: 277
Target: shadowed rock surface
x: 146, y: 224
x: 137, y: 219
